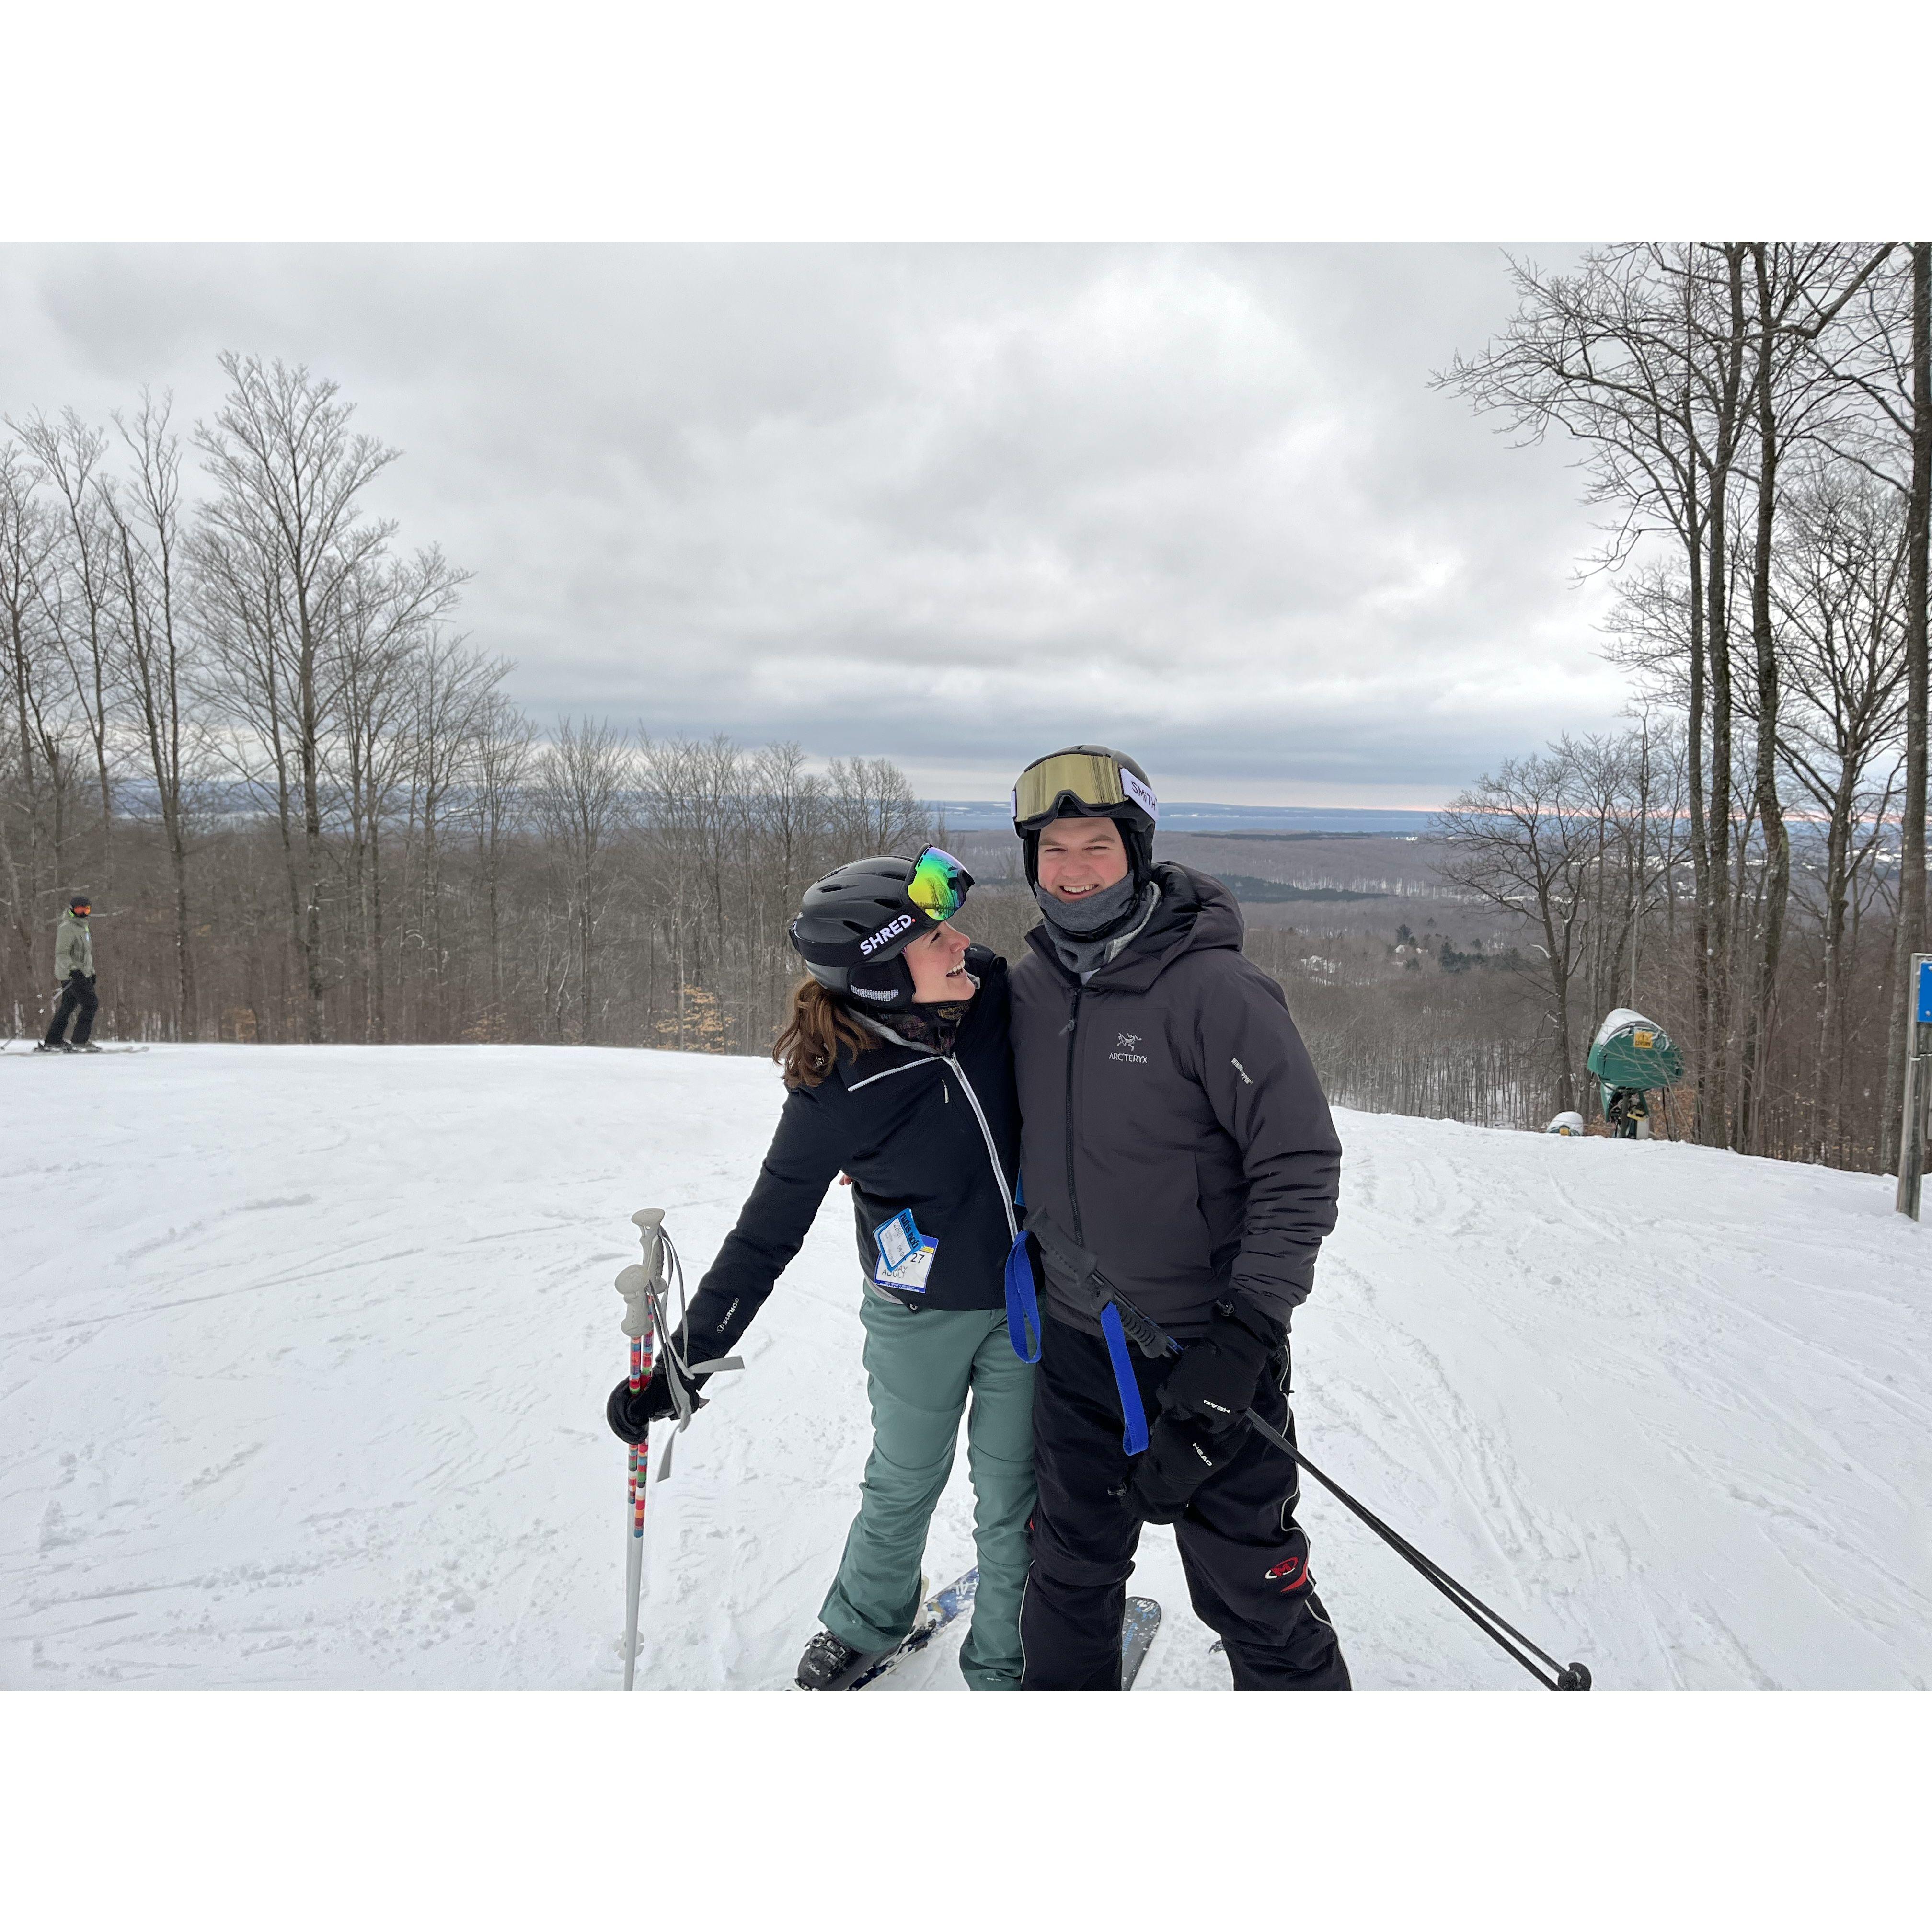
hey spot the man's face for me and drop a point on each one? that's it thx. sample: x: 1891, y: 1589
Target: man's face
x: 1080, y: 857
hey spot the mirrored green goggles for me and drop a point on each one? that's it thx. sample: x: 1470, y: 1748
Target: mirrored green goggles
x: 939, y: 884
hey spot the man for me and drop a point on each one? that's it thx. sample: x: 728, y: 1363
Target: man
x: 73, y: 973
x: 1174, y: 1129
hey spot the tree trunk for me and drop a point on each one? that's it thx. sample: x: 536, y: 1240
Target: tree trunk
x: 1911, y: 931
x: 1770, y: 811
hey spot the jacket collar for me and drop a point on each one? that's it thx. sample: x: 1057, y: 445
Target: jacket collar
x: 1196, y: 914
x: 892, y: 1053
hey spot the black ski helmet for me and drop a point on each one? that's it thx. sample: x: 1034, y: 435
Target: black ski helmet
x: 1087, y: 781
x: 854, y: 924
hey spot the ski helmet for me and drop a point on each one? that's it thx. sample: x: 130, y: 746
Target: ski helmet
x: 1087, y: 781
x: 854, y: 924
x: 81, y: 904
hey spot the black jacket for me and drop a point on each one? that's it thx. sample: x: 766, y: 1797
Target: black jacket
x: 902, y: 1123
x: 1175, y: 1125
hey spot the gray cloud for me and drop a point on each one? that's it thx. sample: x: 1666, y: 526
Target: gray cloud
x: 957, y: 505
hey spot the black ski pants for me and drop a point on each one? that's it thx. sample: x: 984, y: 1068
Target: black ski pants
x: 77, y: 996
x: 1245, y: 1556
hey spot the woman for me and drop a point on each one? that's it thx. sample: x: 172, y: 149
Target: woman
x: 896, y: 1057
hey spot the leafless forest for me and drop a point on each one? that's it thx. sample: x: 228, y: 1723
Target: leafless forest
x: 240, y: 714
x: 1748, y: 865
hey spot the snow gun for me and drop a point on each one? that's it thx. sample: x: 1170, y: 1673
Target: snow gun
x: 1073, y: 1266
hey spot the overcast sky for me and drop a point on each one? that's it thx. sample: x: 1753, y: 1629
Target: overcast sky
x: 956, y: 505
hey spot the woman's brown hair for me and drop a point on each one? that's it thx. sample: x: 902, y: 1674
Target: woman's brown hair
x: 807, y: 1045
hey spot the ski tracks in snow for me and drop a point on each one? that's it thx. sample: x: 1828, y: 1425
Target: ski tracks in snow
x: 306, y: 1358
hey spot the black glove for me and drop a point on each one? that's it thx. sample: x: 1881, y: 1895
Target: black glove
x: 630, y: 1414
x: 1179, y: 1457
x: 1216, y: 1377
x: 92, y: 978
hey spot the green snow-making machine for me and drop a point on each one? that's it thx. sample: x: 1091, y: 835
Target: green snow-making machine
x: 1633, y: 1057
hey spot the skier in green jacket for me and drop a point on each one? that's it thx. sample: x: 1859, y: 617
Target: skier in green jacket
x: 73, y: 973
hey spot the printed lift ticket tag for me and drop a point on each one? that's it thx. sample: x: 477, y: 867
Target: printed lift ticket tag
x: 905, y: 1255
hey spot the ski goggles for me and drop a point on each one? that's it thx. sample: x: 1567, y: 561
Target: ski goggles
x: 1091, y: 778
x: 939, y: 884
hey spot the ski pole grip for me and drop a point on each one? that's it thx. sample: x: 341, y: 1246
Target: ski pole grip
x: 649, y: 1223
x: 633, y: 1284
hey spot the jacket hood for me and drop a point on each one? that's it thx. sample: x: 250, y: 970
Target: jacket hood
x: 1197, y: 913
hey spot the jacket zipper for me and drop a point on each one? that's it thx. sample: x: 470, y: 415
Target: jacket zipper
x: 992, y: 1148
x: 978, y: 1114
x: 1072, y: 1196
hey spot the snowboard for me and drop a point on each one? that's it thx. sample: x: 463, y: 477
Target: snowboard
x: 942, y: 1608
x: 1137, y: 1626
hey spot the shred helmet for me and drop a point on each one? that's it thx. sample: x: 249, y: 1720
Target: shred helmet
x: 1087, y: 781
x: 855, y: 924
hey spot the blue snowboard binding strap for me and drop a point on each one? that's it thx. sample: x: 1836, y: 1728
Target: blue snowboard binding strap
x: 1134, y: 1437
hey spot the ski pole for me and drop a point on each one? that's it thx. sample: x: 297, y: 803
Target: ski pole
x: 646, y: 1288
x: 635, y: 1284
x: 1154, y: 1341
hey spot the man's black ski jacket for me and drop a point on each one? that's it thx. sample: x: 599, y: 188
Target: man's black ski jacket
x: 938, y: 1135
x: 1174, y: 1123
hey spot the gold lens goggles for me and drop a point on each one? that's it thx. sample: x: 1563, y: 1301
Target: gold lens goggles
x: 1083, y: 776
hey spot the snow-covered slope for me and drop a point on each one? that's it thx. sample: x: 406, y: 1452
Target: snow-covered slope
x: 305, y: 1353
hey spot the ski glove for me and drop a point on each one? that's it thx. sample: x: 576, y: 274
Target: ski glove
x: 630, y: 1414
x: 1216, y: 1377
x: 1179, y: 1457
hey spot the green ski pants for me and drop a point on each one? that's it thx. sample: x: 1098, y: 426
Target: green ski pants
x: 921, y: 1365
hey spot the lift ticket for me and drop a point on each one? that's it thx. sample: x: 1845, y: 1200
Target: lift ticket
x: 905, y: 1255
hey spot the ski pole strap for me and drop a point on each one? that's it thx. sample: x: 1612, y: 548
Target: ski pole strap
x: 1022, y: 1302
x: 1134, y: 1437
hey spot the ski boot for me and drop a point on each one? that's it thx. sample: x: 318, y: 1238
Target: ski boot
x: 53, y: 1046
x: 88, y: 1047
x: 830, y: 1663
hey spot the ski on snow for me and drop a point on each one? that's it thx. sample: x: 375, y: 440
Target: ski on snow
x: 1137, y: 1626
x: 75, y: 1053
x: 943, y: 1607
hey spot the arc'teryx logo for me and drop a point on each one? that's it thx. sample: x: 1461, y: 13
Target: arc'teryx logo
x: 1129, y: 1041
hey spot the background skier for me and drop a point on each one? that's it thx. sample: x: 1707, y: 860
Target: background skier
x: 1175, y: 1129
x: 73, y: 973
x: 897, y: 1058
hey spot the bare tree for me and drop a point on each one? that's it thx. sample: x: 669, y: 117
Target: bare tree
x: 33, y: 826
x: 281, y: 540
x: 583, y: 802
x: 1521, y: 841
x: 76, y: 582
x: 505, y: 754
x: 158, y: 654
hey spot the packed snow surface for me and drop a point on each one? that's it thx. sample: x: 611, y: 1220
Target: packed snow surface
x: 305, y: 1353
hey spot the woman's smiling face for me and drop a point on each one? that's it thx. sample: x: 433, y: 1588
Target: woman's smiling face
x: 938, y: 960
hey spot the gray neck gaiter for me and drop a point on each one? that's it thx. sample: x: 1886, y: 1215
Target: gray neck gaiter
x: 1090, y: 932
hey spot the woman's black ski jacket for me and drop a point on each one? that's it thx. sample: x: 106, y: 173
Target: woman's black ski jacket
x: 937, y: 1134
